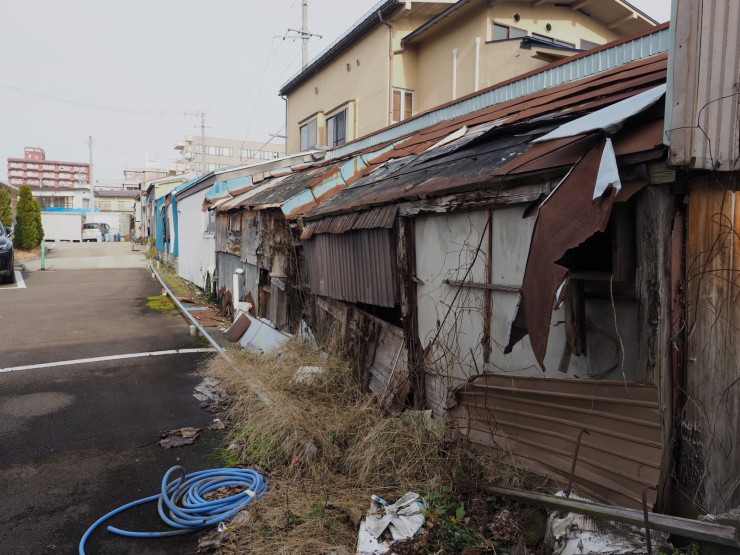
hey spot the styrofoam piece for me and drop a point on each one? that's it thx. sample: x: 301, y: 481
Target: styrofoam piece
x: 261, y: 337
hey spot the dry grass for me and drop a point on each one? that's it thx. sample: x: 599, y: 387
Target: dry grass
x: 21, y: 255
x: 324, y: 447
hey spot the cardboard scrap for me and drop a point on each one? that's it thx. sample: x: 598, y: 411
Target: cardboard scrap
x: 178, y: 438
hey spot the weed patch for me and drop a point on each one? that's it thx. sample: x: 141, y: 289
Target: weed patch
x: 161, y: 304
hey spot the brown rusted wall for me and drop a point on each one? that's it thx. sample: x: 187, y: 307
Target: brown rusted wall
x: 538, y: 420
x: 709, y: 468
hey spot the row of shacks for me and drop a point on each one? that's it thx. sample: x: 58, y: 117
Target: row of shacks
x: 524, y: 271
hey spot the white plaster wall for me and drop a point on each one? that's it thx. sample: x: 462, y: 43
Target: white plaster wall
x: 197, y: 252
x: 445, y: 245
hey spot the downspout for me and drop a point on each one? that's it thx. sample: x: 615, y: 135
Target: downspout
x: 390, y: 66
x: 454, y: 74
x: 286, y: 122
x: 477, y: 61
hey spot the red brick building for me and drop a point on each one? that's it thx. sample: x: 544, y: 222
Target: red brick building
x: 36, y: 171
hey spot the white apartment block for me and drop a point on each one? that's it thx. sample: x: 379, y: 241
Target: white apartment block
x: 221, y: 153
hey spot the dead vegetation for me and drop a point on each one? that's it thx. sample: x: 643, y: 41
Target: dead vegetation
x: 325, y: 447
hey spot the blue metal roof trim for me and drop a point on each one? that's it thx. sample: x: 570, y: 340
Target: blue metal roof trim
x: 238, y: 183
x: 59, y: 210
x: 585, y: 66
x: 218, y: 190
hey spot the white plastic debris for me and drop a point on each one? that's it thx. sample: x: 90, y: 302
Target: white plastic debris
x: 403, y: 519
x: 574, y: 534
x: 367, y: 544
x: 608, y: 172
x: 308, y: 375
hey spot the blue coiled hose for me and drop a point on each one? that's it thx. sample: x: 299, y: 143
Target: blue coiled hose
x: 193, y: 513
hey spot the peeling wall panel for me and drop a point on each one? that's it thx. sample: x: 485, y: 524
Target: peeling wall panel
x: 538, y: 420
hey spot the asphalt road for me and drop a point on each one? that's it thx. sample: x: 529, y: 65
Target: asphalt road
x: 70, y: 436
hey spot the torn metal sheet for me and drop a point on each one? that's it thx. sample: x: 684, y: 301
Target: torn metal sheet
x: 237, y: 329
x: 609, y: 119
x: 261, y: 337
x: 538, y: 420
x: 568, y: 217
x: 608, y: 175
x: 383, y: 216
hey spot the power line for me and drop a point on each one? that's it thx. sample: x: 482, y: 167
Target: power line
x: 88, y: 105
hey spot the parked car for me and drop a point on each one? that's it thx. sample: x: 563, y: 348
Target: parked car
x: 6, y: 255
x: 95, y: 232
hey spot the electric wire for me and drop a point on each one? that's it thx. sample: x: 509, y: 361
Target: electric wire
x: 181, y: 504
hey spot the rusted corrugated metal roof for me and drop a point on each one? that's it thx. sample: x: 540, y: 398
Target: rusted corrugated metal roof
x: 408, y: 171
x: 537, y: 420
x: 383, y: 216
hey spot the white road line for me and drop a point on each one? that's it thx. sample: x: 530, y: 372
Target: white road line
x: 103, y: 359
x: 19, y: 283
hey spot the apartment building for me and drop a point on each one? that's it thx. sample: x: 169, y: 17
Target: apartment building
x: 35, y: 170
x: 403, y: 58
x: 221, y: 153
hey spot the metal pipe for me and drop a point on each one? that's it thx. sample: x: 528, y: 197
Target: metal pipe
x: 390, y: 66
x: 477, y: 61
x: 575, y: 459
x: 216, y: 346
x: 647, y: 520
x: 454, y: 74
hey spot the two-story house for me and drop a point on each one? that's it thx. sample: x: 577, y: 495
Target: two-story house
x: 405, y: 57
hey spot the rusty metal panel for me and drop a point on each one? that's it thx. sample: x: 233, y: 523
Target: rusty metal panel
x: 250, y: 238
x: 704, y: 127
x: 382, y: 216
x: 538, y: 420
x: 357, y: 266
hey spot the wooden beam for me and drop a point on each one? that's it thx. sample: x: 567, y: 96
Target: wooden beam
x: 475, y: 285
x: 538, y: 3
x: 579, y: 5
x: 687, y: 528
x: 488, y: 315
x: 483, y: 198
x: 621, y: 20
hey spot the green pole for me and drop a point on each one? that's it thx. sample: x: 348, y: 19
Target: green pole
x: 43, y: 252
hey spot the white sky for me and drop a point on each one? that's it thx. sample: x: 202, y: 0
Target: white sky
x: 163, y: 55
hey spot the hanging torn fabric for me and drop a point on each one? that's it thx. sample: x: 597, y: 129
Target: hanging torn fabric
x: 569, y: 216
x: 609, y: 119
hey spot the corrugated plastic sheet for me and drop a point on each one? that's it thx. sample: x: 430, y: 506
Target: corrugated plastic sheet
x: 537, y: 420
x: 580, y: 68
x: 383, y: 216
x: 358, y: 266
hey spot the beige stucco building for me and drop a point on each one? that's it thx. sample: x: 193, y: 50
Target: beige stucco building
x: 408, y: 57
x: 221, y: 153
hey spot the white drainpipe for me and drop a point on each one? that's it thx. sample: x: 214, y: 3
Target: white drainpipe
x: 454, y: 74
x: 477, y: 61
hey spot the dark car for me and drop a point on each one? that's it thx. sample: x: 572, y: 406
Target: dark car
x: 6, y: 255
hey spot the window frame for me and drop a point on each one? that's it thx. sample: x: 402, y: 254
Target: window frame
x: 209, y: 223
x: 404, y: 92
x: 331, y: 129
x: 508, y: 34
x: 307, y: 145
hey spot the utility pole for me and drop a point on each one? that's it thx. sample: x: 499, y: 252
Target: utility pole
x: 303, y: 33
x: 92, y: 186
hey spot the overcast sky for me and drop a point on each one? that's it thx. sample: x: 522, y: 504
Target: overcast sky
x: 156, y: 56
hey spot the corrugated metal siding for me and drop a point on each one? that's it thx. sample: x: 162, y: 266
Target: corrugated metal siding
x: 706, y: 72
x: 603, y: 60
x: 227, y: 264
x: 537, y: 420
x: 357, y: 266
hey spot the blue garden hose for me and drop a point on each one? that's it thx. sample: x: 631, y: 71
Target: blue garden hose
x: 194, y: 512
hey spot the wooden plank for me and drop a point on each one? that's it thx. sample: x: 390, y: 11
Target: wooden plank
x: 575, y: 318
x: 687, y: 528
x: 485, y: 197
x: 654, y: 223
x: 488, y: 315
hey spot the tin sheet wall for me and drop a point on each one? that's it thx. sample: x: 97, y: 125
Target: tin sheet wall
x: 703, y: 127
x: 445, y: 247
x: 197, y: 251
x: 538, y: 420
x: 227, y: 266
x: 357, y: 266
